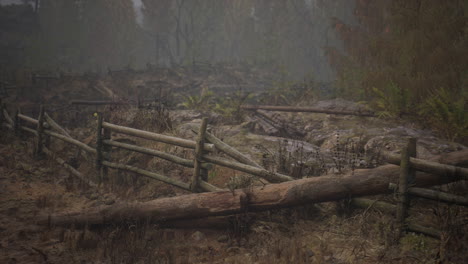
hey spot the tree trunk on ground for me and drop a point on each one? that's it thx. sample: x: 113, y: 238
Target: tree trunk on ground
x: 273, y: 196
x: 304, y: 109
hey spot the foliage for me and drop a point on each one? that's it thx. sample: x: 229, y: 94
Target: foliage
x: 391, y: 101
x: 285, y: 91
x: 400, y: 53
x: 202, y: 102
x: 229, y: 106
x: 447, y: 113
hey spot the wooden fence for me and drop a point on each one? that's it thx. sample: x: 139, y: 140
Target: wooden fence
x: 409, y: 164
x: 205, y: 148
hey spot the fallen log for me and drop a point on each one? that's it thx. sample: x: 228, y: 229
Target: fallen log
x: 88, y: 102
x: 305, y: 191
x: 304, y: 109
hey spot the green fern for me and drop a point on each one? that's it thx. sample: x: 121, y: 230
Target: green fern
x: 203, y: 102
x: 447, y: 113
x: 391, y: 101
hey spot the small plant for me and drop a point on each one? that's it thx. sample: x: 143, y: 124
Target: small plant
x: 297, y: 163
x: 447, y: 113
x: 203, y: 102
x: 392, y: 100
x: 229, y: 107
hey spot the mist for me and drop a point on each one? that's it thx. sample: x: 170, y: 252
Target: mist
x: 96, y: 35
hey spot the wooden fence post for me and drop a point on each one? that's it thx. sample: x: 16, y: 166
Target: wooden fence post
x: 106, y: 153
x: 17, y: 123
x: 407, y: 175
x: 197, y: 170
x: 99, y: 146
x: 40, y: 131
x: 2, y: 118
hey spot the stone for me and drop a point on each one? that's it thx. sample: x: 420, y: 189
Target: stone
x: 223, y: 239
x: 198, y: 236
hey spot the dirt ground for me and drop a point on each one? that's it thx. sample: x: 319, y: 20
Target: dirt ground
x: 322, y: 233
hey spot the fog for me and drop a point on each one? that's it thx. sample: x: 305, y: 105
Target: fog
x: 85, y: 35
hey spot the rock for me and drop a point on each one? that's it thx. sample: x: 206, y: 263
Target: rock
x: 223, y: 238
x: 93, y: 196
x: 198, y: 236
x: 233, y: 250
x: 109, y: 201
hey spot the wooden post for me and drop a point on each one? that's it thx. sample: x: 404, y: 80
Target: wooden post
x: 106, y: 153
x: 99, y: 146
x: 407, y: 177
x: 197, y: 170
x: 40, y: 131
x: 2, y: 118
x: 17, y: 123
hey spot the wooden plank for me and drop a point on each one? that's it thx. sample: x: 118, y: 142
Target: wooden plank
x: 149, y: 174
x: 69, y: 168
x: 431, y: 166
x: 71, y: 141
x: 30, y: 130
x: 156, y: 137
x: 197, y: 169
x: 163, y: 155
x: 267, y: 175
x: 435, y: 195
x: 230, y: 151
x: 27, y: 119
x: 55, y: 126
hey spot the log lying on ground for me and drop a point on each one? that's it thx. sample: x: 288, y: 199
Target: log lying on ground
x: 272, y: 196
x: 88, y: 102
x: 304, y: 109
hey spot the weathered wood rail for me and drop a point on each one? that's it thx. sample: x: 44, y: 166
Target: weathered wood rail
x: 405, y: 189
x: 205, y: 143
x: 305, y: 110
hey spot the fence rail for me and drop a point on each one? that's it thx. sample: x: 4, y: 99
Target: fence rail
x: 204, y: 160
x: 46, y: 127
